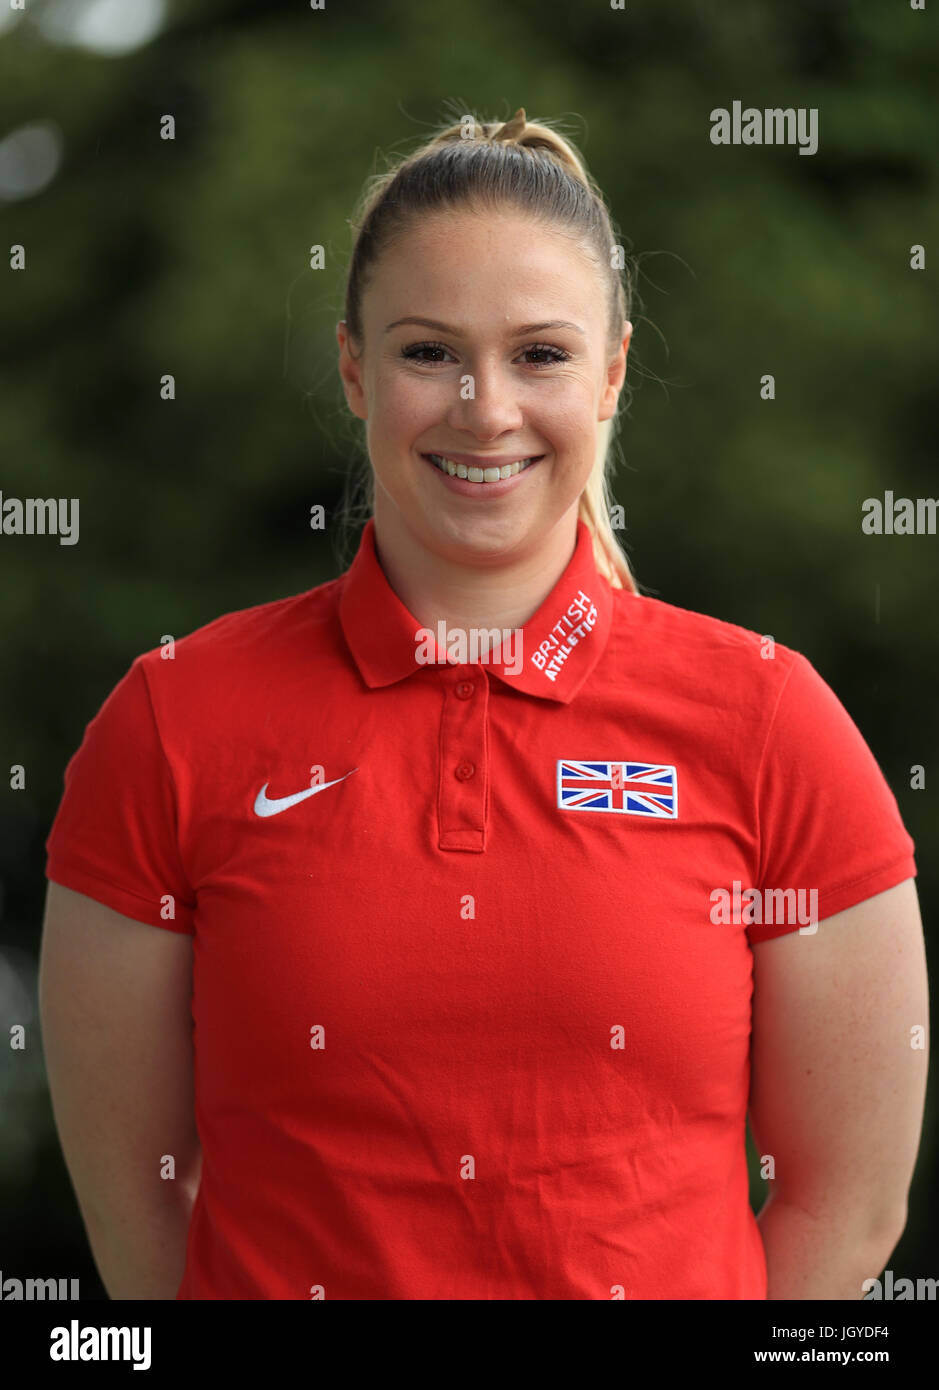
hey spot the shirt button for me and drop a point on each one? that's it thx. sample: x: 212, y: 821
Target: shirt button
x: 464, y: 771
x: 464, y: 689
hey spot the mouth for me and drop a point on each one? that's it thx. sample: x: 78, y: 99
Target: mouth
x: 476, y: 479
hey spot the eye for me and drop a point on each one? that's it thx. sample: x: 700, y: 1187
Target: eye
x: 557, y: 354
x: 413, y: 352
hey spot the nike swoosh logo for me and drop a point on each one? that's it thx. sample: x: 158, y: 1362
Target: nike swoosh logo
x: 264, y: 807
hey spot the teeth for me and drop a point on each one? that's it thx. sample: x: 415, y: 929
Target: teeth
x: 479, y: 475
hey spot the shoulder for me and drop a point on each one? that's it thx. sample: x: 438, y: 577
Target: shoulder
x: 261, y: 628
x: 236, y: 658
x: 707, y: 658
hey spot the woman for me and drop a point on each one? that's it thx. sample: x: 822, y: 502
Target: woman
x: 473, y: 857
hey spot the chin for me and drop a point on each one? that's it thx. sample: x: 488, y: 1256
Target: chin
x: 490, y: 536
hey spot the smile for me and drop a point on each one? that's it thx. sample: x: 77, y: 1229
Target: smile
x: 481, y: 475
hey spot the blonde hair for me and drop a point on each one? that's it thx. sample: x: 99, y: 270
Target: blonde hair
x: 529, y: 165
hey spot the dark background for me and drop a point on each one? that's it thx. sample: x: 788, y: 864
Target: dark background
x: 191, y: 257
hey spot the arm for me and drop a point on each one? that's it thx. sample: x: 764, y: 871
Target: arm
x: 837, y: 1092
x: 114, y: 1000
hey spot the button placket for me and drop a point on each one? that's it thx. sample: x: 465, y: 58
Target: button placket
x: 463, y: 780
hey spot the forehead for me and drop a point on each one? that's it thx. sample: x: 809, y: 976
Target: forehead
x: 495, y: 265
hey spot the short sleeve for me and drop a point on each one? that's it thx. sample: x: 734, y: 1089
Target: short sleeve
x: 114, y: 835
x: 828, y: 820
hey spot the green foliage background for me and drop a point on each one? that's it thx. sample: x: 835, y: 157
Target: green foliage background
x: 191, y: 257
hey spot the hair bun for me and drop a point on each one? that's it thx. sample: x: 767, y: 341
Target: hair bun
x: 512, y: 128
x: 534, y: 135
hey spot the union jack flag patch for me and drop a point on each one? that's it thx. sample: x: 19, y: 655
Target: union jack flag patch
x: 629, y: 789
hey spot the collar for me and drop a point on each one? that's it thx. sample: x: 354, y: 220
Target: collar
x: 551, y: 657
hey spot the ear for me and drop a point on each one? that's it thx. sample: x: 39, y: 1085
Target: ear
x: 615, y: 376
x: 350, y: 372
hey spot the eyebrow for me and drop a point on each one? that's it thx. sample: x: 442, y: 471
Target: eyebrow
x: 514, y: 333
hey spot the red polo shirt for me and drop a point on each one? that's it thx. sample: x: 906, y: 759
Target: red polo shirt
x: 469, y: 1019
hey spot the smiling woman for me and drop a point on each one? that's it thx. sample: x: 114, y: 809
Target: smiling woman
x: 513, y: 403
x: 464, y: 1024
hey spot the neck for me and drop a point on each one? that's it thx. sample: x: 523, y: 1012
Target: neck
x: 465, y: 597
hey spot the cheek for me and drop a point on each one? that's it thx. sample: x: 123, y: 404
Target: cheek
x: 400, y: 415
x: 567, y: 418
x: 406, y: 405
x: 566, y: 403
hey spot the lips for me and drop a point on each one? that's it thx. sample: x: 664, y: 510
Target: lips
x: 479, y: 470
x: 474, y: 484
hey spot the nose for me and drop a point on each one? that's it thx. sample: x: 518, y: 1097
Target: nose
x: 487, y: 403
